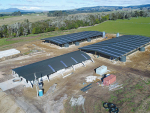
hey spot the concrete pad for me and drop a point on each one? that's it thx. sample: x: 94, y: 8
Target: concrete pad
x: 9, y: 84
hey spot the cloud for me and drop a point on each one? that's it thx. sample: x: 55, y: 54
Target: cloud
x: 37, y: 1
x: 120, y: 2
x: 31, y: 5
x: 30, y: 1
x: 29, y: 8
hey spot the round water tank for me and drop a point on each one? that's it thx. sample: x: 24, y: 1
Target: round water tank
x: 117, y: 35
x: 103, y: 34
x: 123, y: 59
x: 89, y: 40
x: 40, y: 93
x: 142, y: 49
x: 76, y: 43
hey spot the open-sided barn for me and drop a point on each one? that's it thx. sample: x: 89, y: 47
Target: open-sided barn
x: 50, y: 66
x: 74, y: 38
x: 119, y: 47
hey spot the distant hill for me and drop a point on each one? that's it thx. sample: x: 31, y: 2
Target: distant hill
x: 11, y: 10
x: 102, y: 9
x: 81, y: 10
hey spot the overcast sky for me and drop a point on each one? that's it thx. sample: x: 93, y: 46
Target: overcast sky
x: 65, y: 4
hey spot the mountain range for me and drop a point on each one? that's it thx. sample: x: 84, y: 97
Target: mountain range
x: 84, y: 9
x: 11, y: 10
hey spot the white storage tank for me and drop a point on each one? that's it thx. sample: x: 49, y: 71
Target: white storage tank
x: 117, y: 35
x: 103, y: 34
x: 101, y: 70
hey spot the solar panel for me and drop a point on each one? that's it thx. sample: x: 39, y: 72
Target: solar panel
x: 73, y: 37
x: 119, y: 46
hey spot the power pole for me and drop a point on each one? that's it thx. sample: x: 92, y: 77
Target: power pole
x: 36, y: 83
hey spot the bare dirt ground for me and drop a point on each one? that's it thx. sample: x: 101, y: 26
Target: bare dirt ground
x: 131, y: 74
x: 12, y: 107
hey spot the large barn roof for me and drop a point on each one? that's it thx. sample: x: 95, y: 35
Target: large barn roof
x: 49, y: 66
x: 63, y: 39
x: 119, y: 46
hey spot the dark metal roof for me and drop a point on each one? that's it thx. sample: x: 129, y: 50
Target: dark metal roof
x: 119, y: 46
x: 49, y: 66
x: 63, y: 39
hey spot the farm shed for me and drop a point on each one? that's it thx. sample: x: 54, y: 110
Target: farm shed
x: 109, y: 80
x: 73, y: 38
x: 49, y: 66
x: 118, y: 48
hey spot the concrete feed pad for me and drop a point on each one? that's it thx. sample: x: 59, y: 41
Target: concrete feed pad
x: 10, y: 84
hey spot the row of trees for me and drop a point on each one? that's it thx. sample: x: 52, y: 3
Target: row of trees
x: 63, y: 23
x: 128, y: 15
x: 16, y: 13
x: 56, y: 14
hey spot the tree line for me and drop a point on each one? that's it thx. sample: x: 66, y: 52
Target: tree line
x: 64, y: 23
x: 56, y: 13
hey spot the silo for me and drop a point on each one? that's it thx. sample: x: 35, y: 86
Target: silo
x: 77, y: 43
x: 66, y: 45
x: 123, y: 59
x: 103, y: 34
x: 142, y: 49
x: 117, y: 35
x: 89, y: 40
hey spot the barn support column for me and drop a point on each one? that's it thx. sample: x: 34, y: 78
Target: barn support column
x: 83, y: 64
x: 31, y: 82
x: 12, y: 72
x: 48, y: 78
x: 62, y: 74
x: 95, y: 54
x: 73, y: 68
x: 92, y: 60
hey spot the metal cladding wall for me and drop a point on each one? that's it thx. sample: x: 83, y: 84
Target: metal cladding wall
x: 77, y: 43
x: 123, y: 59
x: 89, y: 40
x: 52, y: 65
x: 109, y: 80
x: 142, y: 49
x: 66, y: 45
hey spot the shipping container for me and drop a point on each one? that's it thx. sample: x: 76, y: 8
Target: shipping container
x: 109, y: 80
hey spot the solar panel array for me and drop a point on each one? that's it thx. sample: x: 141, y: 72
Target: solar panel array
x: 52, y: 65
x: 118, y: 47
x: 63, y: 39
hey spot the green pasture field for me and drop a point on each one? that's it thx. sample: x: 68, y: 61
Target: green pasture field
x: 134, y: 26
